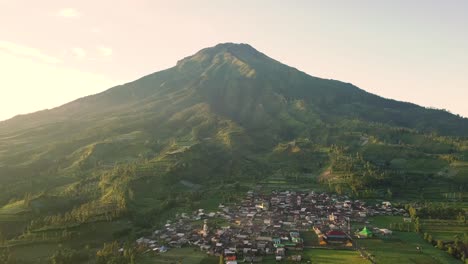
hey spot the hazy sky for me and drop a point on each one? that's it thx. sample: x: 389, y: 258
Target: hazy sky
x: 54, y: 51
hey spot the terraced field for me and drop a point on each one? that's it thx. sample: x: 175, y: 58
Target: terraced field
x: 326, y: 256
x: 180, y: 255
x: 15, y: 216
x: 401, y: 248
x: 445, y: 230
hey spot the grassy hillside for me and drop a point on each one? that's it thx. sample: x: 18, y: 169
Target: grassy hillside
x: 219, y: 121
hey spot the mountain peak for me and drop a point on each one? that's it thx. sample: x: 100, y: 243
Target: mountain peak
x: 233, y: 47
x: 236, y: 53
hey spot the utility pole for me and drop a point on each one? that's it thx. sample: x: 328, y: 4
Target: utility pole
x: 354, y: 241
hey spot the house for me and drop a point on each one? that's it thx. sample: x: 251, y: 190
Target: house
x: 281, y: 252
x: 385, y: 231
x: 163, y: 249
x: 264, y: 238
x: 230, y: 255
x: 335, y: 236
x: 253, y: 259
x: 267, y: 224
x: 386, y: 204
x: 365, y: 233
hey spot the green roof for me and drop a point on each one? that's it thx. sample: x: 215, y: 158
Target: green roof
x: 365, y: 231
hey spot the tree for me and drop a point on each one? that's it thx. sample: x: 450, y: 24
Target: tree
x: 429, y: 238
x: 417, y: 225
x: 6, y: 257
x: 440, y: 244
x: 451, y: 251
x: 67, y: 255
x: 389, y: 193
x: 110, y: 253
x: 2, y: 238
x: 27, y: 199
x: 461, y: 218
x: 412, y: 212
x: 338, y: 189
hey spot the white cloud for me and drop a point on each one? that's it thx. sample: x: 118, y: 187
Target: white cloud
x: 24, y: 51
x: 104, y: 51
x: 68, y: 13
x: 79, y: 53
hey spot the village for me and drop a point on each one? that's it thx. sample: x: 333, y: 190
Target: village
x: 270, y: 226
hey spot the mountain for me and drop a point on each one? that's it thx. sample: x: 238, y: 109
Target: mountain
x: 227, y: 116
x: 235, y: 79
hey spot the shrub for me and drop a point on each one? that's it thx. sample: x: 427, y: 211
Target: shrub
x: 440, y: 244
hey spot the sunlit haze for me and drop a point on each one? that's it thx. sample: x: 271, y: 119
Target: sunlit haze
x: 52, y: 52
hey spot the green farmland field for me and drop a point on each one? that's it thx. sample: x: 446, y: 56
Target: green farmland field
x: 401, y: 248
x: 180, y: 255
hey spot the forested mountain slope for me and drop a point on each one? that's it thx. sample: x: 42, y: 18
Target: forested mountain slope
x: 224, y: 115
